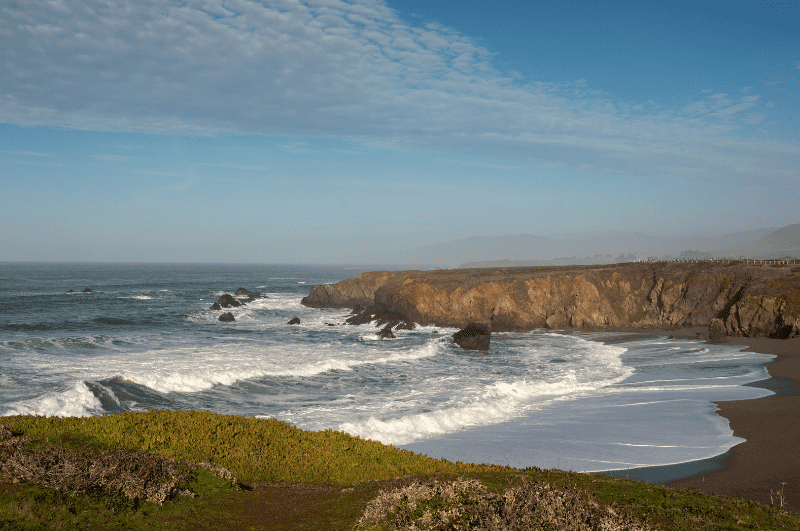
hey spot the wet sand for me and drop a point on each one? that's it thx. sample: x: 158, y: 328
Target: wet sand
x: 769, y: 459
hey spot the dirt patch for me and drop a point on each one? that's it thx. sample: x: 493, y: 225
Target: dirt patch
x: 288, y: 507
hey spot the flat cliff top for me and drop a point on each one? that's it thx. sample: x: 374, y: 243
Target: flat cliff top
x: 770, y: 270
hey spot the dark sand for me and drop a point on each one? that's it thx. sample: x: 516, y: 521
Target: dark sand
x: 769, y: 459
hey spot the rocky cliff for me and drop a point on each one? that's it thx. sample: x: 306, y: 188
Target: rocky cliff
x: 747, y: 299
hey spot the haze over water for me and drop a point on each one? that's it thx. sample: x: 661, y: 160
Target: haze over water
x: 145, y: 338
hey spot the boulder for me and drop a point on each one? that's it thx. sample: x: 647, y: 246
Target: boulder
x: 227, y: 301
x: 226, y: 317
x: 386, y: 332
x: 716, y: 330
x: 473, y: 337
x: 294, y: 321
x: 216, y: 306
x: 86, y: 290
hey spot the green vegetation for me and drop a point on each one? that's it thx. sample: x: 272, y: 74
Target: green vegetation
x: 170, y: 472
x: 262, y: 450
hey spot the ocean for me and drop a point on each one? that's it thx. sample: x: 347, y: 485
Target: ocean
x: 145, y: 338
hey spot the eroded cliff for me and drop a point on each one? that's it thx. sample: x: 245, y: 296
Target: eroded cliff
x: 749, y: 299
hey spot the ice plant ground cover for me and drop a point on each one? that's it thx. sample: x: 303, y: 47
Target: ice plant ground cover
x: 349, y: 482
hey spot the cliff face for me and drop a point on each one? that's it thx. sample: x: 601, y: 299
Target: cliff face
x: 351, y: 293
x: 748, y: 299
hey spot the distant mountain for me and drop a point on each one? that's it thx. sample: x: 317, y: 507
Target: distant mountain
x: 597, y: 247
x: 778, y: 244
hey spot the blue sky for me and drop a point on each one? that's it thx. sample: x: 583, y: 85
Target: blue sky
x: 347, y: 132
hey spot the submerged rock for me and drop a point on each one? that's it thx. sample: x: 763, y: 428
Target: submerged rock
x: 71, y: 291
x: 473, y: 337
x: 86, y: 290
x: 226, y: 317
x: 294, y: 321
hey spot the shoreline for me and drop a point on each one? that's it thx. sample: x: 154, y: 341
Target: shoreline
x: 769, y: 459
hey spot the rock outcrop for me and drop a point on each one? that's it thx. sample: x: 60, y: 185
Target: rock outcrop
x: 226, y: 301
x: 386, y: 332
x: 251, y: 295
x: 749, y: 299
x: 229, y: 301
x: 352, y: 293
x: 226, y: 317
x: 716, y: 330
x: 294, y: 321
x: 473, y: 337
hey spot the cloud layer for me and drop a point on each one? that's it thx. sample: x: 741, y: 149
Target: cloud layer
x: 352, y: 70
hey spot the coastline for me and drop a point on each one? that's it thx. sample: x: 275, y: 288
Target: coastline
x: 769, y: 459
x: 743, y: 304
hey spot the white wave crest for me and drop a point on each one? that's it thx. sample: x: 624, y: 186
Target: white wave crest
x: 190, y: 382
x: 195, y: 380
x: 502, y: 400
x: 78, y: 401
x: 430, y: 348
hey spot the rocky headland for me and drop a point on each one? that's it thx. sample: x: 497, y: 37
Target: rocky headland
x: 728, y: 298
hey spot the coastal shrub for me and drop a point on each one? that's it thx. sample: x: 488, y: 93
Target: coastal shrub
x: 467, y: 504
x: 135, y: 475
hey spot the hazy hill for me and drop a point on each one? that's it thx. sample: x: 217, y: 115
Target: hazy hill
x: 778, y: 244
x: 597, y: 246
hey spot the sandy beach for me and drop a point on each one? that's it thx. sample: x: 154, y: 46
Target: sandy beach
x: 769, y: 460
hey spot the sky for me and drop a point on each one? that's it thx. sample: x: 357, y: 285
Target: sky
x: 328, y: 131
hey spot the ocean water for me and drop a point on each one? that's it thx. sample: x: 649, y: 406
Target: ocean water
x: 145, y: 338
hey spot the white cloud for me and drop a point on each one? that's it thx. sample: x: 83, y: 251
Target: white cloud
x: 481, y: 164
x: 111, y: 158
x: 753, y: 118
x: 296, y: 147
x: 234, y: 166
x: 348, y: 70
x: 30, y: 153
x: 163, y: 174
x: 45, y: 164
